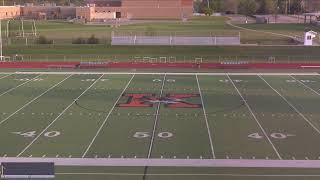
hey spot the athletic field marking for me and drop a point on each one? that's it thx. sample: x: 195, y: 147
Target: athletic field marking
x: 142, y: 162
x: 255, y: 118
x: 305, y: 85
x: 106, y: 119
x: 233, y: 175
x: 182, y: 74
x: 206, y: 119
x: 6, y: 76
x: 24, y: 106
x: 18, y: 86
x: 156, y: 118
x: 60, y: 114
x: 292, y: 106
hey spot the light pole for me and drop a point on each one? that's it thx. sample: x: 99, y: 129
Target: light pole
x: 208, y: 3
x: 1, y: 55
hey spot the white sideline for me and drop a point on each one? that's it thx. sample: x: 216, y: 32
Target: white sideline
x: 106, y: 119
x: 292, y: 106
x: 256, y: 119
x: 192, y: 174
x: 27, y: 104
x: 43, y: 131
x: 9, y: 90
x: 137, y: 162
x: 206, y: 119
x: 191, y: 74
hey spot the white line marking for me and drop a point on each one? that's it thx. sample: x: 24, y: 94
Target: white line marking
x: 24, y: 106
x: 255, y: 118
x: 206, y: 119
x: 183, y: 74
x: 19, y: 85
x: 106, y: 119
x: 6, y: 76
x: 140, y: 162
x: 292, y: 106
x: 156, y: 118
x: 305, y: 85
x: 60, y: 114
x: 233, y: 175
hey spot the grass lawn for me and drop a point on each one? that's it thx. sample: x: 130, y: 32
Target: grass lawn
x: 182, y: 53
x: 63, y: 32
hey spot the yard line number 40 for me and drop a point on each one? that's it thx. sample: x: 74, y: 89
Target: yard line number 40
x: 31, y: 134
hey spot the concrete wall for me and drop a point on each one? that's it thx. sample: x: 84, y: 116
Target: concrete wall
x: 9, y: 12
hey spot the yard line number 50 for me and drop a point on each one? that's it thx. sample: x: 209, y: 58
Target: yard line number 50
x: 141, y: 135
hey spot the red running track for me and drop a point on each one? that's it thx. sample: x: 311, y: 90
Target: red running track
x: 129, y: 65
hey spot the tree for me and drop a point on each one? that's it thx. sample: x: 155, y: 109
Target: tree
x: 207, y: 11
x: 231, y: 6
x: 247, y: 7
x: 271, y: 7
x: 217, y: 5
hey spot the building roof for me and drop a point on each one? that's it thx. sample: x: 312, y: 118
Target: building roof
x: 105, y: 3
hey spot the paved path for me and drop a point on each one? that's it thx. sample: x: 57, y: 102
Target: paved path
x: 129, y: 162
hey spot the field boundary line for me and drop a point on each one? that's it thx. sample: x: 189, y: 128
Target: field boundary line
x: 107, y: 117
x: 183, y: 74
x: 305, y: 85
x: 206, y: 119
x: 31, y: 101
x: 256, y: 119
x: 154, y: 129
x: 9, y: 90
x: 292, y: 106
x: 40, y: 134
x: 142, y: 162
x: 193, y: 174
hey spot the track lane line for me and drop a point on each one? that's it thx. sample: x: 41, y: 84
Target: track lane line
x: 256, y: 119
x: 106, y: 119
x: 24, y: 106
x: 43, y: 131
x: 292, y: 106
x: 206, y: 119
x: 9, y: 90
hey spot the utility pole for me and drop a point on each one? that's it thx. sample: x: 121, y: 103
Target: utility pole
x: 1, y: 55
x: 208, y: 3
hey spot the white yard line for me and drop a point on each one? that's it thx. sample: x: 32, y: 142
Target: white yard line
x: 24, y: 106
x: 292, y: 106
x: 182, y: 74
x: 255, y: 118
x: 6, y: 76
x: 40, y: 134
x: 190, y: 174
x: 156, y: 119
x: 305, y: 85
x: 206, y: 119
x: 19, y: 85
x: 106, y: 119
x: 143, y: 162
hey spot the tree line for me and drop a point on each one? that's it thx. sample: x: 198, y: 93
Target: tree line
x: 251, y: 7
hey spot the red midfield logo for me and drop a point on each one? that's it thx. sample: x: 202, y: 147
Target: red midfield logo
x: 170, y: 101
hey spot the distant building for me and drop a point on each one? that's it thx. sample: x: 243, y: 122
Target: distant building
x: 98, y: 10
x: 136, y: 9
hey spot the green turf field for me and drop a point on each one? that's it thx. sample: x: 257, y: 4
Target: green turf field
x: 162, y: 116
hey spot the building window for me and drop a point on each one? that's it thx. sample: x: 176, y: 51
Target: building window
x: 309, y: 37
